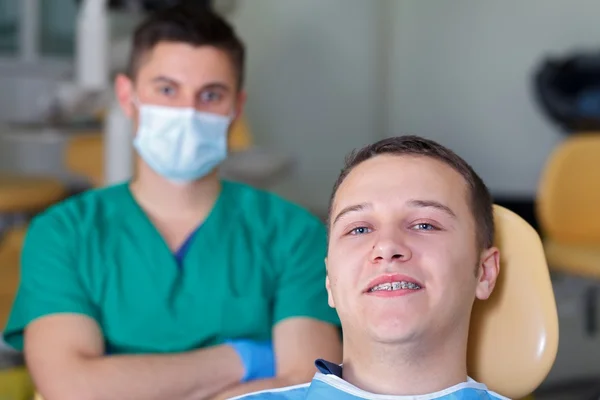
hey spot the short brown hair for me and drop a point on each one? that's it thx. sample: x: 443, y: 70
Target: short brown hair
x: 193, y: 25
x: 480, y: 198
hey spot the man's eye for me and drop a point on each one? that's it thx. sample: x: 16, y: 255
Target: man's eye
x: 361, y: 230
x: 167, y: 90
x: 424, y: 227
x: 210, y: 96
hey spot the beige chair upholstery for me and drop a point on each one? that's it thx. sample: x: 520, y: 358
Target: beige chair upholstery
x: 29, y: 194
x: 514, y: 334
x: 240, y: 137
x: 567, y: 206
x: 568, y: 211
x: 84, y: 156
x: 10, y: 252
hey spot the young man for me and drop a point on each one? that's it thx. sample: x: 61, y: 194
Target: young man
x: 410, y: 248
x: 176, y: 285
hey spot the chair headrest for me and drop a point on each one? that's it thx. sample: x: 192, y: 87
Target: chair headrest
x: 569, y: 192
x: 513, y: 338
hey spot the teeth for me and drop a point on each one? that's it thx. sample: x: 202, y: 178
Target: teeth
x: 395, y: 286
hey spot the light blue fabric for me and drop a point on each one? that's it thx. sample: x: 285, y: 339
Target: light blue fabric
x: 181, y: 144
x: 331, y: 387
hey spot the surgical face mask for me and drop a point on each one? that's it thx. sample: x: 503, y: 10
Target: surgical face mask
x: 181, y: 144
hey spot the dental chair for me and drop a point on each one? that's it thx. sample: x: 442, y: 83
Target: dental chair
x: 84, y: 157
x: 568, y: 210
x: 15, y: 382
x: 513, y: 339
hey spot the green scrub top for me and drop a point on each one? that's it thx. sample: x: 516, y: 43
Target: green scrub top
x: 256, y: 260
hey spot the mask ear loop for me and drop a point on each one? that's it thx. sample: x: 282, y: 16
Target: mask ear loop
x: 233, y: 114
x: 135, y: 100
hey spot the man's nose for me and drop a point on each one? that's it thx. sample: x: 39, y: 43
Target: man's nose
x: 186, y: 99
x: 390, y: 248
x: 190, y: 102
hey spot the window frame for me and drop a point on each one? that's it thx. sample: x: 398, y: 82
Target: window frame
x: 28, y: 43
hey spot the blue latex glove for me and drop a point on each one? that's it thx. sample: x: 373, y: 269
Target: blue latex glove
x: 258, y: 358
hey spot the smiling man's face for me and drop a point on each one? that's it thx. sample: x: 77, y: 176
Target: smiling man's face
x: 403, y: 261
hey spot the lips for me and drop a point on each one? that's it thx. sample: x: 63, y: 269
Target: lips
x: 390, y: 278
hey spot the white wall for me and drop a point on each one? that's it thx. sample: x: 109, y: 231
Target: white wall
x: 322, y: 82
x: 313, y: 83
x: 460, y: 73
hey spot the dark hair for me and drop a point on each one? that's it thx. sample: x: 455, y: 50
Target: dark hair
x: 186, y: 23
x: 480, y: 198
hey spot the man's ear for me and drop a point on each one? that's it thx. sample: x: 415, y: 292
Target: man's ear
x: 328, y: 287
x: 489, y: 268
x: 124, y: 92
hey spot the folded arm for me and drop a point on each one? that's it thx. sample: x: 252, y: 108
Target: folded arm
x: 306, y: 327
x: 65, y: 355
x: 297, y: 343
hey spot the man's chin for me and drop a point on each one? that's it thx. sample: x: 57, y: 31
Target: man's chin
x: 394, y: 332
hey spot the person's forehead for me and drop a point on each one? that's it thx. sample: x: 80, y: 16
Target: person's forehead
x: 399, y: 178
x: 187, y: 64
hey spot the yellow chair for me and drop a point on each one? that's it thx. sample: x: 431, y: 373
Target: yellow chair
x: 84, y: 156
x: 567, y: 207
x: 10, y: 252
x: 28, y: 194
x: 15, y: 383
x: 240, y: 138
x: 514, y: 334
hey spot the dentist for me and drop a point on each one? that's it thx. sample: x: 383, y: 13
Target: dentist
x: 176, y: 285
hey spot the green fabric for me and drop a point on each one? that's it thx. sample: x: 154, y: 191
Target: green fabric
x: 256, y: 260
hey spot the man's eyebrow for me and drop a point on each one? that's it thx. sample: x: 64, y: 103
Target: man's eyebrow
x: 208, y: 86
x: 349, y: 209
x: 162, y: 78
x: 216, y: 85
x: 432, y: 204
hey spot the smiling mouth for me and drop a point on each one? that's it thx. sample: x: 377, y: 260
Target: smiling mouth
x: 392, y: 286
